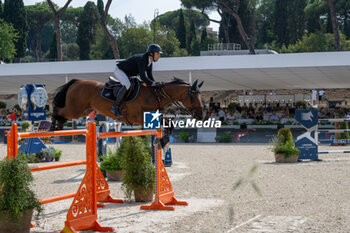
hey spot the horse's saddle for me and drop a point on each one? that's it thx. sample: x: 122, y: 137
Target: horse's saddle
x: 112, y: 86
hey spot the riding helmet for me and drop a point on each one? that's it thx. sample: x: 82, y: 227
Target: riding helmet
x: 154, y: 48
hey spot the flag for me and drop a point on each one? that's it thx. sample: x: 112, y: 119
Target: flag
x: 92, y: 115
x: 12, y: 116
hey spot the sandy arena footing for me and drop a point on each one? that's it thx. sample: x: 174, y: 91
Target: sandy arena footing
x: 302, y: 197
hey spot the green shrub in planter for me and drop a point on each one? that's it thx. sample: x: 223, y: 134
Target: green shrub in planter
x: 58, y: 154
x: 283, y: 143
x: 288, y: 149
x: 137, y: 163
x: 225, y: 138
x: 345, y: 135
x: 49, y: 153
x: 285, y: 135
x: 184, y: 135
x: 112, y: 162
x: 25, y: 126
x: 16, y: 197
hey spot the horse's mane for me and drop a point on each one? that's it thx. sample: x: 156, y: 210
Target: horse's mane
x: 178, y: 81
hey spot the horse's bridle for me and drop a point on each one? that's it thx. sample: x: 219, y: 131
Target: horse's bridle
x: 176, y: 103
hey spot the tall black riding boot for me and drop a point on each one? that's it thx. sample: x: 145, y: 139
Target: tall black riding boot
x: 119, y: 99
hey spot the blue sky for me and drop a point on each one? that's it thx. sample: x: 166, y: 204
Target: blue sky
x: 141, y: 10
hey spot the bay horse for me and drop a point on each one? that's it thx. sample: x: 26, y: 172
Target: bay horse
x: 78, y: 98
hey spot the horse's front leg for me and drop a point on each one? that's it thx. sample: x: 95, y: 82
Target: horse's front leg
x: 53, y: 124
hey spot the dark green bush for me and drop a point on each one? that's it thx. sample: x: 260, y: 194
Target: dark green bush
x: 112, y: 162
x: 137, y: 163
x: 225, y: 138
x: 283, y: 143
x: 345, y: 135
x: 288, y: 149
x: 285, y: 135
x: 184, y: 135
x: 16, y: 197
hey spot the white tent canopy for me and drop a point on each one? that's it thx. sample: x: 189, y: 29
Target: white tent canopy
x: 238, y: 72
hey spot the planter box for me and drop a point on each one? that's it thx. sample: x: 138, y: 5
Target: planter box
x: 115, y: 175
x: 22, y: 225
x: 281, y: 159
x: 142, y: 195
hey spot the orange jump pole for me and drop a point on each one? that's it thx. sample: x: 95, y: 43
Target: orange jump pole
x: 57, y: 165
x: 82, y: 214
x: 127, y: 133
x: 164, y: 194
x: 12, y: 142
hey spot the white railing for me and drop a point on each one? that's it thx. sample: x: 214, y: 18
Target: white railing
x: 224, y: 46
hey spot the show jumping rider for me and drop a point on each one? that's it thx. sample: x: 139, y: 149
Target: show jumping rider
x: 135, y: 65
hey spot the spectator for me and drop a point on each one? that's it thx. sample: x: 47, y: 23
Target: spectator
x: 256, y: 108
x: 251, y: 108
x: 286, y: 111
x: 221, y: 114
x: 229, y: 117
x: 320, y: 95
x: 239, y: 108
x: 266, y: 115
x: 259, y: 117
x: 214, y: 116
x: 245, y: 107
x: 274, y: 117
x: 269, y: 108
x: 237, y: 115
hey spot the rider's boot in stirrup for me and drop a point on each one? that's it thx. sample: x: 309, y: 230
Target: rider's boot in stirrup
x: 119, y: 99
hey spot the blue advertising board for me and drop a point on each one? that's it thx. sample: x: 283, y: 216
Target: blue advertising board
x: 307, y: 117
x: 33, y: 113
x: 307, y: 146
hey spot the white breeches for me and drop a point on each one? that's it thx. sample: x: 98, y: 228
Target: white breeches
x: 122, y: 77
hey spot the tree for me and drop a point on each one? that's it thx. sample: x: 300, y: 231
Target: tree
x: 281, y: 22
x: 57, y: 17
x: 265, y: 22
x: 171, y: 20
x: 70, y: 24
x: 53, y: 48
x: 1, y: 10
x: 204, y: 42
x: 230, y: 7
x: 229, y: 31
x: 332, y: 13
x: 101, y: 49
x: 313, y: 10
x: 181, y: 30
x: 111, y: 39
x: 100, y: 7
x: 133, y: 38
x: 88, y: 22
x: 296, y: 20
x: 38, y: 16
x: 8, y: 37
x: 191, y: 37
x: 15, y: 14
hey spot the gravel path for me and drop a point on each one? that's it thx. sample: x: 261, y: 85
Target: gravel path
x: 302, y: 197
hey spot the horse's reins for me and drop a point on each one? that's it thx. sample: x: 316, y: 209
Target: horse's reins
x: 177, y: 104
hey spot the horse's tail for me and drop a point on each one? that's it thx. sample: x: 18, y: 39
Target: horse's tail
x: 60, y: 95
x: 59, y: 100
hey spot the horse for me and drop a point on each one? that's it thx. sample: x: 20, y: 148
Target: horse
x: 78, y: 98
